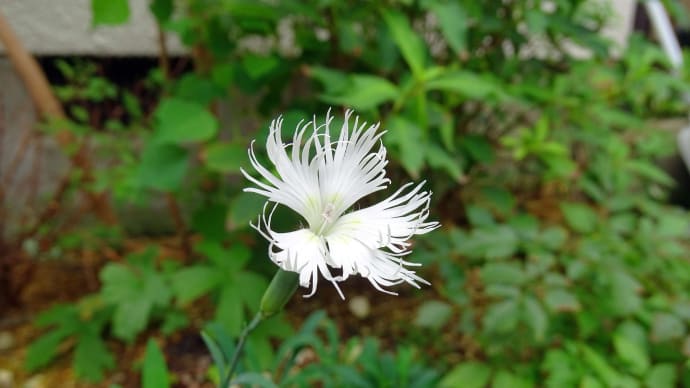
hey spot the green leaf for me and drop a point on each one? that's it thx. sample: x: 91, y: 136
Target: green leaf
x: 599, y: 364
x: 130, y: 318
x: 180, y: 122
x: 333, y: 81
x: 631, y: 353
x: 467, y: 375
x: 662, y: 376
x: 625, y: 298
x: 173, y: 321
x: 163, y: 166
x: 561, y: 300
x: 535, y: 317
x: 244, y: 208
x: 409, y: 42
x: 119, y: 284
x: 468, y: 84
x: 581, y: 218
x: 505, y: 379
x: 42, y: 351
x: 509, y: 273
x: 650, y: 171
x: 154, y: 373
x: 441, y: 159
x: 433, y: 314
x: 667, y: 327
x: 408, y: 136
x: 109, y: 12
x: 162, y: 10
x: 495, y: 242
x: 502, y: 317
x: 229, y: 312
x: 479, y: 216
x: 364, y: 92
x: 225, y: 157
x: 452, y: 19
x: 253, y: 287
x: 91, y: 357
x: 258, y: 66
x: 192, y: 282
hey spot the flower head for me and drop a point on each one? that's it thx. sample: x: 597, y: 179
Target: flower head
x: 321, y: 179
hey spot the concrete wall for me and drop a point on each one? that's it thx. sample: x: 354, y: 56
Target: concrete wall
x: 63, y: 27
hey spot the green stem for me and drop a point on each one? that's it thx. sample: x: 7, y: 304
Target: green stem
x: 238, y: 350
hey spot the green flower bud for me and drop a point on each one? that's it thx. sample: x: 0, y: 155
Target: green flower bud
x: 283, y: 285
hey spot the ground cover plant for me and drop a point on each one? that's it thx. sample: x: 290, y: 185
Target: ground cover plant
x: 559, y: 261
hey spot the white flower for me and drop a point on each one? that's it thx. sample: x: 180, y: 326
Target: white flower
x: 321, y: 179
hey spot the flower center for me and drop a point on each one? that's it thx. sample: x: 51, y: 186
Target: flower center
x: 326, y: 218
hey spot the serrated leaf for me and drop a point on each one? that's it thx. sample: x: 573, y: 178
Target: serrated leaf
x: 467, y: 375
x: 180, y: 122
x: 154, y: 373
x: 109, y: 12
x: 408, y: 41
x: 225, y: 157
x: 91, y: 357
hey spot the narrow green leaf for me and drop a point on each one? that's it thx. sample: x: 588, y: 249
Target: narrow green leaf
x: 452, y: 19
x: 154, y: 372
x: 409, y: 42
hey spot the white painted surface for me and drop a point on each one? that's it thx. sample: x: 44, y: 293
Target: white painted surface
x: 59, y: 27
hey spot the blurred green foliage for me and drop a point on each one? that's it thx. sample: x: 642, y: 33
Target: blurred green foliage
x: 559, y: 258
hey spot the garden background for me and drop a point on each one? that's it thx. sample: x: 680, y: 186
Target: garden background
x: 126, y: 256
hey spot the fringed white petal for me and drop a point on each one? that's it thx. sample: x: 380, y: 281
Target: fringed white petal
x: 321, y: 179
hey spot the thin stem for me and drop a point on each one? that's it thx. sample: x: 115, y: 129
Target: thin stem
x: 238, y: 350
